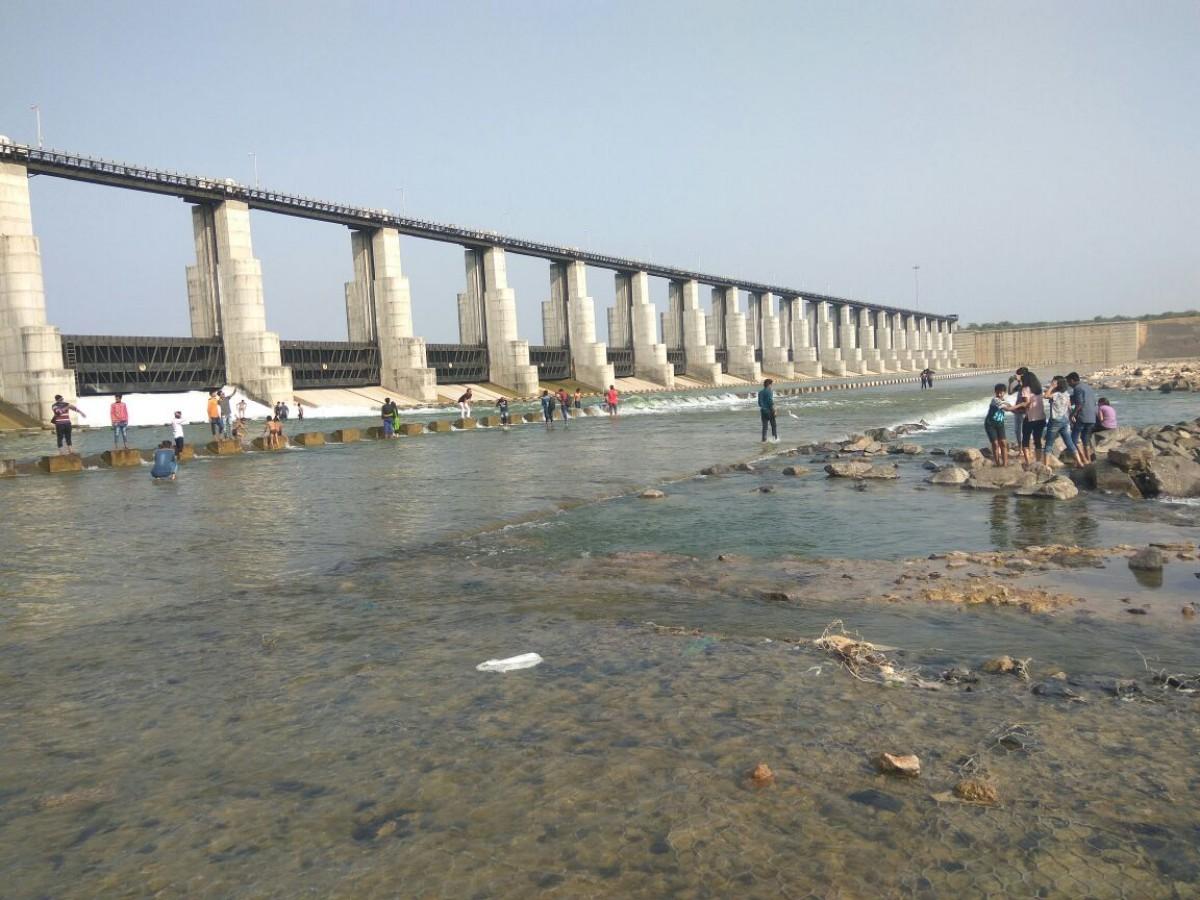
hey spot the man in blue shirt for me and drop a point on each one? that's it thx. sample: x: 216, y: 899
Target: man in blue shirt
x: 766, y: 410
x: 1084, y: 409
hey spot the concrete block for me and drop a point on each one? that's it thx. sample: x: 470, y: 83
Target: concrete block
x: 94, y: 461
x: 119, y: 459
x: 224, y: 447
x: 490, y: 422
x: 260, y: 443
x: 533, y: 417
x: 592, y: 411
x: 411, y: 429
x: 345, y: 435
x: 8, y: 468
x: 374, y: 433
x: 309, y: 439
x: 54, y: 465
x: 187, y: 454
x: 465, y: 423
x: 440, y: 426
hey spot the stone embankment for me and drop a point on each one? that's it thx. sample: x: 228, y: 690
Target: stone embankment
x: 1179, y: 375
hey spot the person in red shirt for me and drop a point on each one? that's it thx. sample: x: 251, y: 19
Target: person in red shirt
x: 612, y: 398
x: 118, y: 414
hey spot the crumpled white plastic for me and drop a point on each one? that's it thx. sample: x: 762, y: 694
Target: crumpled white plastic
x: 524, y: 661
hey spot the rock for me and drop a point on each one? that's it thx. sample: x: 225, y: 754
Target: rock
x: 1148, y: 559
x: 1132, y: 455
x: 1104, y: 476
x: 1122, y: 687
x: 911, y: 449
x: 1057, y: 690
x: 878, y: 800
x: 999, y: 665
x: 976, y: 790
x: 881, y: 472
x: 743, y: 467
x: 949, y: 475
x: 714, y: 470
x: 1188, y: 612
x: 959, y: 676
x: 851, y: 469
x: 1137, y: 611
x: 762, y: 775
x: 766, y: 489
x: 778, y: 596
x: 930, y: 466
x: 966, y: 455
x: 652, y: 494
x: 994, y: 478
x: 1172, y: 476
x: 908, y: 765
x: 882, y: 435
x: 1060, y: 488
x: 795, y: 470
x: 937, y: 451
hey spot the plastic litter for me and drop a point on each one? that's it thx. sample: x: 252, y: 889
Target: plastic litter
x: 512, y: 664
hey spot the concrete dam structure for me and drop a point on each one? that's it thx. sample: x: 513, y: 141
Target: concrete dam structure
x: 751, y: 328
x: 1096, y: 343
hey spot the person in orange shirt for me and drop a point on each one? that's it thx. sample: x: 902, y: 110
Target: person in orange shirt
x: 612, y: 399
x: 118, y: 414
x: 214, y: 413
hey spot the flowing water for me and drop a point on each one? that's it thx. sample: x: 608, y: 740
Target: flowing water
x: 259, y: 680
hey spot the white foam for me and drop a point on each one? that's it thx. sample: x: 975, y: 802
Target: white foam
x: 953, y: 416
x: 657, y: 405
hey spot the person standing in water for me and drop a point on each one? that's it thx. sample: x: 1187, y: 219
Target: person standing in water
x: 214, y: 413
x: 548, y: 408
x: 226, y: 413
x: 564, y: 402
x: 464, y: 404
x: 766, y: 410
x: 177, y: 431
x: 388, y: 414
x: 611, y: 399
x: 578, y: 398
x: 502, y: 405
x: 60, y: 418
x: 165, y: 464
x: 118, y: 414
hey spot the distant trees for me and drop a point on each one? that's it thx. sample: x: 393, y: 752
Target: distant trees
x: 1005, y: 324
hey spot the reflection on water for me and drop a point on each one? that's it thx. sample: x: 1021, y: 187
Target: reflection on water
x: 260, y: 679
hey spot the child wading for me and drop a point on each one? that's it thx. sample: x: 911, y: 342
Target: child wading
x: 993, y: 425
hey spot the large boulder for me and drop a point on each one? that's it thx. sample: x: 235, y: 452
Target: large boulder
x: 881, y: 472
x: 966, y: 455
x: 1134, y: 454
x: 1060, y: 488
x: 949, y: 475
x: 1104, y: 476
x: 1172, y: 476
x: 994, y: 478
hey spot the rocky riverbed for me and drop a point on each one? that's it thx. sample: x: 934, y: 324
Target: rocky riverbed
x: 1176, y: 375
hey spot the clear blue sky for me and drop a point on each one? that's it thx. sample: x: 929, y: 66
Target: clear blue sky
x: 1037, y: 160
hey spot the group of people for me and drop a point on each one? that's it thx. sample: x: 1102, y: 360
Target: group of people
x: 926, y: 378
x: 281, y: 411
x: 1067, y: 410
x: 552, y: 402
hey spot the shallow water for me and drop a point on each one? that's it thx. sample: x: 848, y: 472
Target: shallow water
x: 259, y: 680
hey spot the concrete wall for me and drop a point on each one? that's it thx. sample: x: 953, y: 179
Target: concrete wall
x: 1099, y: 343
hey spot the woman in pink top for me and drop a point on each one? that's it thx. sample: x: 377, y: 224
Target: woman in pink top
x: 612, y: 399
x: 1034, y: 408
x: 1106, y: 416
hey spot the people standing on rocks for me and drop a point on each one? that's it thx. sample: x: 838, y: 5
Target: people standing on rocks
x: 1058, y: 424
x: 548, y: 408
x: 226, y: 413
x: 502, y: 406
x: 60, y: 418
x: 165, y: 463
x: 993, y: 425
x: 766, y: 410
x: 1106, y: 416
x: 578, y: 399
x: 177, y: 431
x: 1034, y: 408
x: 464, y: 404
x: 214, y: 413
x: 118, y: 414
x: 1018, y: 415
x: 612, y: 399
x: 564, y: 403
x: 1084, y: 409
x: 388, y: 414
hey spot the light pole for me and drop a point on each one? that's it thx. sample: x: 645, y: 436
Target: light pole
x: 916, y: 287
x: 254, y: 156
x: 37, y: 113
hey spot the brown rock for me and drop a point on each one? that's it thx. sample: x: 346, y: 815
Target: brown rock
x: 1148, y: 559
x: 999, y: 665
x: 652, y: 494
x: 1189, y: 612
x: 908, y: 765
x: 762, y: 775
x: 795, y: 470
x: 976, y: 790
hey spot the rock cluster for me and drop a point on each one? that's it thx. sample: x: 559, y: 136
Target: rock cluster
x: 1165, y: 377
x: 1158, y: 460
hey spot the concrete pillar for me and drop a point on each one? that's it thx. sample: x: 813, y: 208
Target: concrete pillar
x: 916, y: 346
x: 589, y: 357
x: 555, y: 330
x: 831, y: 356
x: 904, y: 359
x: 649, y: 355
x: 379, y: 309
x: 799, y: 332
x: 889, y: 360
x: 672, y: 319
x: 739, y: 351
x: 225, y: 288
x: 620, y: 317
x: 951, y: 352
x: 487, y: 314
x: 775, y: 357
x: 31, y: 356
x: 848, y: 339
x: 872, y: 359
x: 699, y: 353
